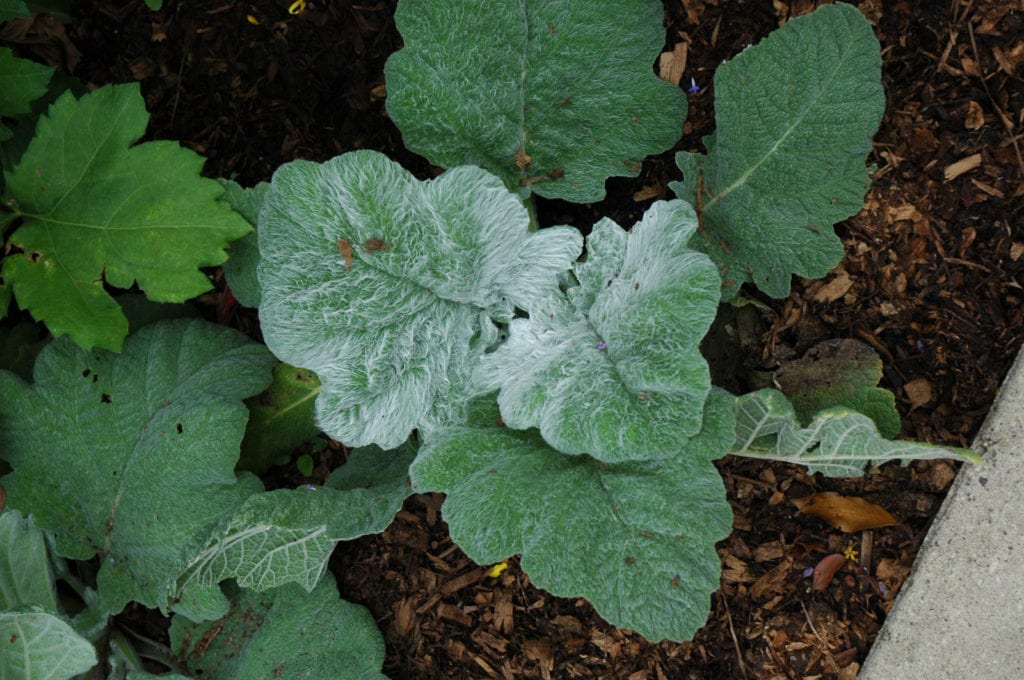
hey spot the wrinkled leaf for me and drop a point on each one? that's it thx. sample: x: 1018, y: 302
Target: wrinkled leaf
x: 38, y: 644
x: 282, y: 419
x: 244, y: 254
x: 839, y: 373
x: 97, y: 207
x: 21, y: 81
x: 552, y: 96
x: 131, y: 455
x: 25, y: 574
x: 386, y: 286
x: 617, y: 374
x: 636, y: 539
x: 837, y: 442
x: 794, y: 118
x: 287, y: 535
x: 286, y: 633
x: 847, y: 513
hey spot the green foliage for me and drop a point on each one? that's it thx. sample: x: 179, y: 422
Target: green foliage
x: 551, y: 96
x: 37, y: 643
x: 287, y: 633
x: 95, y: 206
x: 281, y: 419
x: 794, y: 117
x: 637, y: 539
x: 21, y: 82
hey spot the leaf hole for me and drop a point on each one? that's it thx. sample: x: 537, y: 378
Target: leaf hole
x: 180, y: 428
x: 105, y: 398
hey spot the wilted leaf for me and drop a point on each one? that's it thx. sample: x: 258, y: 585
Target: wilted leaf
x: 616, y: 372
x: 847, y: 513
x: 839, y: 373
x: 395, y: 335
x: 794, y: 117
x: 825, y: 570
x: 552, y: 96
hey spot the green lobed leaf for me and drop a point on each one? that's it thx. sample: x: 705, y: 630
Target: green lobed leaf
x: 636, y: 539
x: 618, y: 373
x: 38, y: 644
x: 838, y: 442
x: 282, y: 419
x: 553, y: 96
x: 794, y: 118
x: 287, y: 535
x: 286, y: 633
x: 21, y: 81
x: 97, y: 206
x: 129, y: 456
x: 25, y: 574
x: 394, y: 335
x: 839, y: 373
x: 244, y: 254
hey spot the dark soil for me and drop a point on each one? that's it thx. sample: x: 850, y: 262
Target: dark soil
x: 931, y: 281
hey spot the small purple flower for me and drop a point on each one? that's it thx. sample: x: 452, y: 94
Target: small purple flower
x: 311, y: 487
x: 808, y: 572
x: 694, y: 88
x: 601, y: 345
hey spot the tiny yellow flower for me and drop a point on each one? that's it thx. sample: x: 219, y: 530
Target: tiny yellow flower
x: 495, y: 571
x: 252, y: 20
x: 297, y: 7
x: 850, y: 553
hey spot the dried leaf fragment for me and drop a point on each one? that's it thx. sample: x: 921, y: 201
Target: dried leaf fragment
x: 345, y: 249
x: 372, y: 244
x: 847, y: 513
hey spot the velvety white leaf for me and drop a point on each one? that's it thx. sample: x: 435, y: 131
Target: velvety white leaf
x: 386, y: 286
x: 616, y: 372
x: 837, y: 442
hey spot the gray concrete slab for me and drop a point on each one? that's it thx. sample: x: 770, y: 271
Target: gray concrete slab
x: 960, y: 614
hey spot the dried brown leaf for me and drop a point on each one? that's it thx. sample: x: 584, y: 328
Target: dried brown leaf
x: 847, y: 513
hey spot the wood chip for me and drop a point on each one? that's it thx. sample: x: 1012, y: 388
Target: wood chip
x: 919, y: 392
x: 671, y: 65
x: 961, y: 166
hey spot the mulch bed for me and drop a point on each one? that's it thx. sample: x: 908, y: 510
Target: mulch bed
x: 931, y: 281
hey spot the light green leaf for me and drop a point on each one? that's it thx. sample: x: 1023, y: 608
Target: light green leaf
x: 636, y: 539
x: 282, y: 419
x: 618, y: 374
x: 285, y: 633
x: 244, y: 254
x: 287, y: 535
x: 21, y: 80
x: 838, y: 442
x: 95, y: 207
x: 131, y: 455
x: 839, y: 373
x: 25, y: 574
x: 394, y: 335
x: 532, y: 89
x: 794, y: 118
x: 37, y: 644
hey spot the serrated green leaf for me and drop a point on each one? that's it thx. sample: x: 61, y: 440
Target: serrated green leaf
x: 552, y: 96
x: 636, y: 539
x: 794, y: 118
x: 131, y: 455
x: 618, y: 374
x: 287, y: 535
x: 838, y: 442
x: 244, y: 254
x: 839, y: 373
x: 25, y: 574
x: 395, y: 334
x: 21, y: 81
x: 286, y: 633
x: 38, y: 644
x: 94, y: 207
x: 282, y: 418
